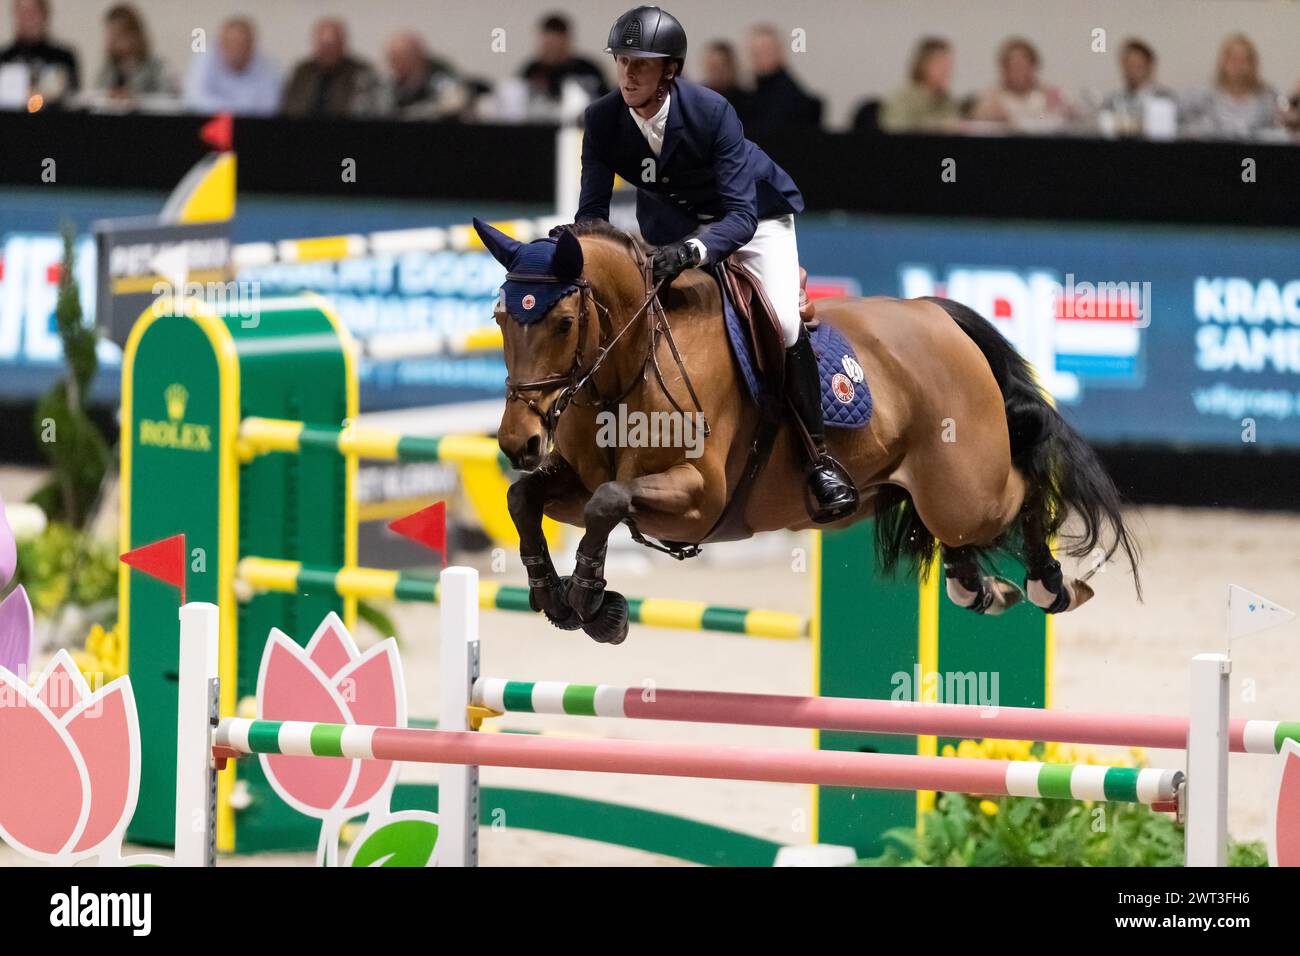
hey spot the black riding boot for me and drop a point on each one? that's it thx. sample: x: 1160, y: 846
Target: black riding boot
x: 830, y: 487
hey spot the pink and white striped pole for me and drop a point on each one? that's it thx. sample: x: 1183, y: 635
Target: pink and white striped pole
x: 829, y: 768
x: 967, y: 721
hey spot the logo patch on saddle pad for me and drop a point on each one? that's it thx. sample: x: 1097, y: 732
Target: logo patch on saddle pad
x: 842, y: 388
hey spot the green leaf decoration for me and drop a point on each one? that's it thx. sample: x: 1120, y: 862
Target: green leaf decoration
x: 406, y: 839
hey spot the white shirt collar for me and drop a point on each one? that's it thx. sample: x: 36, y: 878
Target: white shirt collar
x: 653, y: 128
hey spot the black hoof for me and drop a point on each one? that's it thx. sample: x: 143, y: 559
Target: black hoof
x: 558, y: 613
x: 610, y: 625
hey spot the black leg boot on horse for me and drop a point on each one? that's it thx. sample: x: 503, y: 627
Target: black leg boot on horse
x: 833, y: 494
x: 971, y: 588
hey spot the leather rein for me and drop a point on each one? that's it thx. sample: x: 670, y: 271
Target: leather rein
x: 571, y: 383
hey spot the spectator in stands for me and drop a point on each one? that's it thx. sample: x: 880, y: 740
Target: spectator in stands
x: 422, y: 86
x: 926, y: 104
x: 233, y: 78
x: 1021, y: 102
x: 1240, y: 105
x: 130, y: 69
x: 331, y: 82
x: 722, y: 74
x: 52, y: 68
x: 1127, y: 107
x: 1291, y: 116
x: 778, y: 100
x: 556, y: 62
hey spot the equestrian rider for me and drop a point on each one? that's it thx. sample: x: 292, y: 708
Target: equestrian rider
x: 704, y: 192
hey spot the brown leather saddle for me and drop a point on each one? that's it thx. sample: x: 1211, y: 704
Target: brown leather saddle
x: 758, y: 317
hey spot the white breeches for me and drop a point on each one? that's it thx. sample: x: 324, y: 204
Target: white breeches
x: 773, y: 256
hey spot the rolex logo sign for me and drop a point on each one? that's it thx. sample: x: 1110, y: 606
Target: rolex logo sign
x: 175, y: 432
x: 177, y: 397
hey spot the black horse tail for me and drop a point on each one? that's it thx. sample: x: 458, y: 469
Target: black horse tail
x: 1062, y: 473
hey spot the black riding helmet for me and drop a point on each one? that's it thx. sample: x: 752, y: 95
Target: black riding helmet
x: 648, y: 31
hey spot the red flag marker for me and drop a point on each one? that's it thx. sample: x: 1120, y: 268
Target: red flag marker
x: 219, y: 132
x: 164, y: 560
x: 427, y: 526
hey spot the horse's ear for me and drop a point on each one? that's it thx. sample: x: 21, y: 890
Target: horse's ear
x: 502, y: 247
x: 567, y: 263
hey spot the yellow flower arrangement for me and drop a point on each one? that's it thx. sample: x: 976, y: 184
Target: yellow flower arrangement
x: 104, y: 657
x: 991, y: 749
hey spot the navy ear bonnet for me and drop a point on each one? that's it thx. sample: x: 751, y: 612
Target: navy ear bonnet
x: 538, y: 273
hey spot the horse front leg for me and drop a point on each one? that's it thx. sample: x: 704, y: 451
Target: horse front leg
x: 526, y: 500
x: 677, y: 493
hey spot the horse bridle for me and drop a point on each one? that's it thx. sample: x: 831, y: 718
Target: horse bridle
x: 572, y: 382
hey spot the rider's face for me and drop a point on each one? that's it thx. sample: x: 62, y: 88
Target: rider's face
x: 639, y: 77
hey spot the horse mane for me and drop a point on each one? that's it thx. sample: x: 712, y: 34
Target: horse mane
x: 640, y: 251
x: 605, y: 230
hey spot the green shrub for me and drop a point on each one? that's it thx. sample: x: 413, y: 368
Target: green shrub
x: 61, y: 567
x: 1028, y: 831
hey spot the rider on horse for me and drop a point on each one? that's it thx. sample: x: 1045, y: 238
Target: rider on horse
x: 704, y: 192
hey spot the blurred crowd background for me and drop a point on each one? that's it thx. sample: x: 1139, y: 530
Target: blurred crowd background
x: 1161, y: 69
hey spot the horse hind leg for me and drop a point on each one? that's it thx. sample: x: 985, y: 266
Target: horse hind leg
x: 969, y: 587
x: 1046, y: 584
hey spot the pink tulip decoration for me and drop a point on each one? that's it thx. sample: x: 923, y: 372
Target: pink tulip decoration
x: 16, y: 625
x: 77, y: 760
x: 1284, y: 812
x: 331, y: 681
x: 17, y: 628
x: 8, y: 549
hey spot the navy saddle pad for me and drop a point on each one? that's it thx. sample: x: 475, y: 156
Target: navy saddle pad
x: 846, y: 397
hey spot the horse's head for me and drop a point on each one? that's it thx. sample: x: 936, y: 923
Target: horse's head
x: 550, y: 334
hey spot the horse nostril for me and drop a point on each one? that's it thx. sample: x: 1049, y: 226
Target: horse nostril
x: 528, y: 457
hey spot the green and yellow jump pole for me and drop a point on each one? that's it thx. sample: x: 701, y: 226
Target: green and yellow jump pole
x: 478, y: 460
x: 293, y: 577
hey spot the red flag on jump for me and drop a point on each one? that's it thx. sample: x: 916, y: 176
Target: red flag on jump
x: 219, y: 132
x: 164, y: 560
x: 427, y: 526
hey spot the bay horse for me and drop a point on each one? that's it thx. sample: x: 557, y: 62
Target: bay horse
x: 963, y: 455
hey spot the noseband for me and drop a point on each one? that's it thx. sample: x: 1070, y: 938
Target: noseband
x: 572, y: 382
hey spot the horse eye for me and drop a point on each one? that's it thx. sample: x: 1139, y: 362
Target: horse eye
x: 563, y: 326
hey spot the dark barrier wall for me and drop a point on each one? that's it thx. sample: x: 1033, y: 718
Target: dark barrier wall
x: 430, y: 160
x: 1044, y: 178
